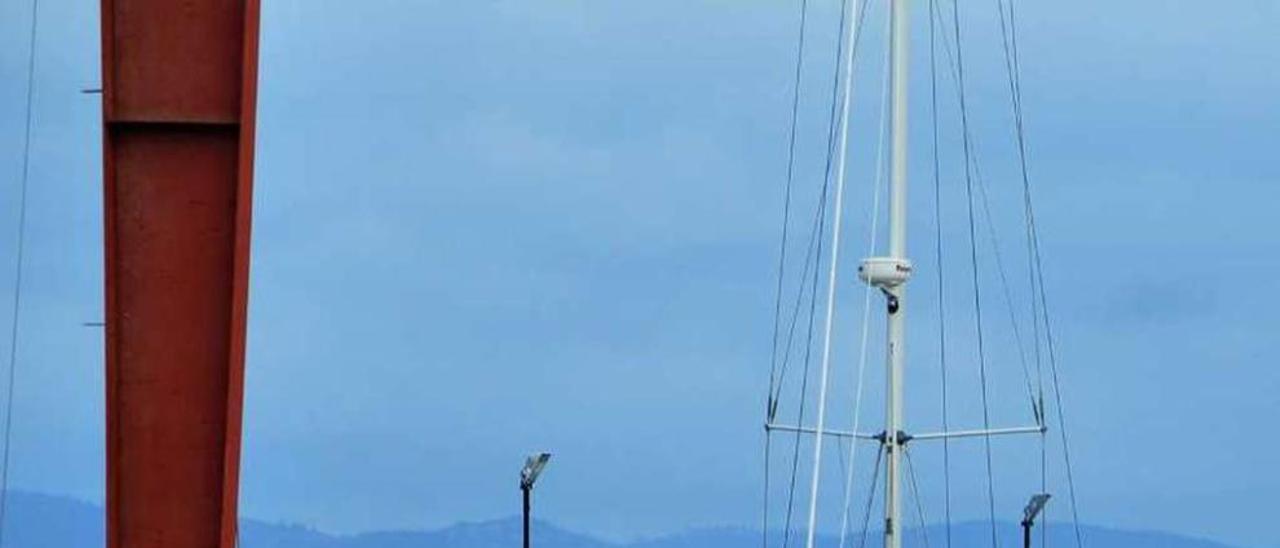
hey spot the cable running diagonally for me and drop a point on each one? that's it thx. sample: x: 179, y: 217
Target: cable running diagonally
x: 975, y: 164
x: 830, y: 151
x: 915, y: 494
x: 782, y: 261
x: 836, y: 228
x: 938, y: 256
x: 786, y: 195
x: 1006, y: 287
x: 1009, y: 43
x: 1057, y: 396
x: 804, y: 390
x: 809, y: 260
x: 871, y: 497
x: 16, y: 315
x: 973, y: 257
x: 812, y: 258
x: 816, y: 244
x: 878, y: 183
x: 1038, y: 286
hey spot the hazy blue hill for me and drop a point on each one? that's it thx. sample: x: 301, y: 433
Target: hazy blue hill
x: 963, y: 534
x: 492, y: 534
x: 38, y: 521
x: 262, y: 535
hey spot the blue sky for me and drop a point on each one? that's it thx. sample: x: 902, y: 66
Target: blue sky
x: 489, y: 227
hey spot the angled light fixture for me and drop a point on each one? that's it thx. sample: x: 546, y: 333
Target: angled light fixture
x: 533, y: 466
x: 1029, y: 514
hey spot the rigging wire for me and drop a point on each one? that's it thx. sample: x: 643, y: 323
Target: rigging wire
x: 813, y: 235
x: 804, y: 384
x: 994, y: 239
x: 1038, y: 288
x: 782, y: 260
x: 18, y: 263
x: 811, y: 252
x: 1033, y: 237
x: 786, y: 197
x: 915, y: 493
x: 1008, y: 35
x: 836, y: 229
x: 938, y: 254
x: 974, y: 176
x: 844, y: 516
x: 871, y: 496
x: 843, y: 463
x: 973, y: 258
x: 816, y: 252
x: 1057, y: 396
x: 1010, y: 43
x: 877, y: 184
x: 816, y: 244
x: 818, y: 228
x: 1005, y: 287
x: 1035, y: 395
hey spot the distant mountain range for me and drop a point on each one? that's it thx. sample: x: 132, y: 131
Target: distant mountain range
x: 39, y: 521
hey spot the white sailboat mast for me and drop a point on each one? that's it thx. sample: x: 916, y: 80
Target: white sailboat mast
x: 896, y: 293
x: 889, y: 274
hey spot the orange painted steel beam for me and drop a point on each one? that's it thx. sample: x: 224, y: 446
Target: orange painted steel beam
x: 179, y: 95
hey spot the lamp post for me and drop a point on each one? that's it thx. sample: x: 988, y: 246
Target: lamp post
x: 1034, y: 506
x: 533, y: 466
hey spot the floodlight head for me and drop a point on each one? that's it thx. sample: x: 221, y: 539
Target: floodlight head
x: 1034, y: 507
x: 533, y: 466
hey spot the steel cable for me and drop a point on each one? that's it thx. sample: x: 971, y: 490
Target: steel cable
x: 16, y: 315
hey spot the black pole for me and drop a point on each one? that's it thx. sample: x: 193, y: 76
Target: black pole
x: 525, y: 491
x: 1026, y: 534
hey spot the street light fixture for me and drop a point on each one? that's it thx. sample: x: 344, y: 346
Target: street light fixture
x: 1034, y: 506
x: 533, y: 466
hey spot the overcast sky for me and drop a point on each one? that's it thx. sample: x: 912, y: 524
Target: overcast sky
x: 490, y: 227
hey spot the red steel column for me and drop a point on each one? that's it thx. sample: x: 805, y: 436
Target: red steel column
x: 179, y: 93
